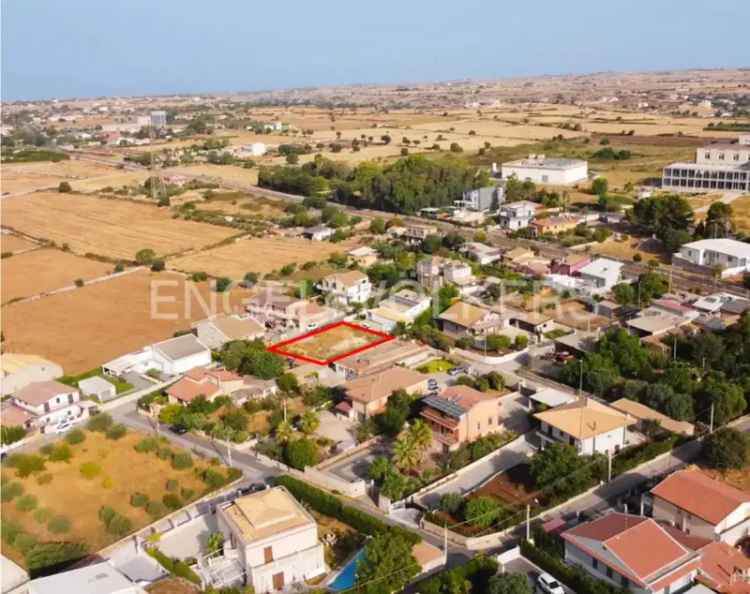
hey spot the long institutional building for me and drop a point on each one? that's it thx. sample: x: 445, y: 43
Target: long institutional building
x: 717, y: 167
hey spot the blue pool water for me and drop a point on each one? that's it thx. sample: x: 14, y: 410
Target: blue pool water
x: 345, y: 579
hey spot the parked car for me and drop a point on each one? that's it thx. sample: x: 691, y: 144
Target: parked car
x: 548, y: 584
x: 178, y: 429
x: 432, y: 384
x: 564, y: 356
x: 460, y: 370
x: 62, y: 426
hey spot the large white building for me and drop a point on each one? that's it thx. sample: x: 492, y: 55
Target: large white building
x: 732, y: 256
x: 274, y: 538
x: 717, y: 167
x: 170, y: 357
x: 543, y: 170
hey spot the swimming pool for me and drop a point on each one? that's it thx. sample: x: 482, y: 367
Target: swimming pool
x: 345, y: 579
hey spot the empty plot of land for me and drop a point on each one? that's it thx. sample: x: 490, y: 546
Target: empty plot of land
x: 114, y: 180
x: 331, y: 343
x: 44, y: 270
x: 24, y: 177
x: 261, y: 255
x: 13, y: 243
x: 84, y: 328
x: 228, y: 173
x: 112, y: 228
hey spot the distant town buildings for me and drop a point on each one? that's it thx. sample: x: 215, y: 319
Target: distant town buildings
x: 717, y: 167
x: 158, y: 119
x: 541, y: 169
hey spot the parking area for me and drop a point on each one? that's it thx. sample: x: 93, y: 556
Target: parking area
x: 336, y: 428
x: 532, y: 572
x: 355, y: 467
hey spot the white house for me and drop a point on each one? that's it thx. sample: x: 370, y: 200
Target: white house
x: 52, y: 403
x: 404, y: 306
x: 484, y: 254
x: 318, y: 233
x: 170, y: 357
x: 589, y: 426
x: 19, y: 370
x: 98, y: 387
x: 274, y: 539
x: 543, y: 170
x: 732, y: 256
x: 602, y: 274
x: 100, y: 578
x: 481, y: 199
x: 517, y: 215
x: 699, y: 505
x: 347, y: 288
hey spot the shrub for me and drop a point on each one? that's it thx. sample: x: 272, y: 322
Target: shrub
x: 147, y: 444
x: 42, y: 515
x: 172, y: 485
x: 482, y: 511
x: 90, y: 470
x: 26, y: 503
x: 116, y: 432
x: 26, y: 464
x: 107, y: 483
x: 106, y: 514
x: 24, y: 542
x: 50, y: 556
x: 115, y: 522
x: 44, y: 479
x: 58, y: 524
x: 300, y: 453
x: 12, y: 434
x: 451, y: 503
x: 61, y: 453
x: 478, y: 571
x: 158, y: 265
x: 182, y: 461
x: 10, y: 491
x: 78, y: 282
x: 100, y: 422
x: 64, y: 187
x: 164, y: 453
x: 172, y: 501
x: 139, y: 500
x: 10, y: 531
x: 727, y: 449
x: 76, y: 436
x: 186, y: 494
x: 174, y: 566
x: 156, y: 509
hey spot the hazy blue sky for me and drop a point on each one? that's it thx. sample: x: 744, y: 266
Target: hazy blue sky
x: 73, y: 48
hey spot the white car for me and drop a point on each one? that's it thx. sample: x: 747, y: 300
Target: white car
x: 62, y: 426
x: 549, y: 584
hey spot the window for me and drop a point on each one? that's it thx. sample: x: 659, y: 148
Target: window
x: 490, y: 421
x: 594, y: 563
x: 624, y: 582
x: 268, y: 554
x: 609, y: 572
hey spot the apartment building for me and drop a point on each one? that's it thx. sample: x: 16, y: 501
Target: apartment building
x: 720, y: 166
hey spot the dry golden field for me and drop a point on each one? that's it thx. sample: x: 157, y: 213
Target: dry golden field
x: 261, y: 255
x: 107, y: 227
x: 335, y: 342
x: 44, y: 270
x: 741, y: 211
x: 114, y: 180
x: 230, y: 173
x: 26, y: 177
x: 84, y: 328
x: 14, y: 243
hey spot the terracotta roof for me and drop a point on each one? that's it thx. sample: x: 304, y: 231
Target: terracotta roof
x: 584, y: 418
x: 700, y: 495
x: 643, y: 412
x: 40, y: 392
x: 369, y: 388
x: 235, y: 328
x: 465, y: 396
x: 464, y: 314
x: 722, y: 568
x: 219, y: 374
x: 634, y: 545
x: 347, y: 279
x: 14, y: 416
x: 187, y: 390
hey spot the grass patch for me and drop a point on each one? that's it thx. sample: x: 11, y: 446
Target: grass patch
x: 121, y: 386
x: 436, y: 366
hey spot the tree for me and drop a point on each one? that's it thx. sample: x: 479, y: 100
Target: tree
x: 727, y: 398
x: 718, y: 222
x: 215, y: 543
x: 288, y: 383
x: 145, y: 257
x: 251, y: 358
x: 387, y: 564
x: 668, y: 217
x: 727, y: 449
x: 421, y: 434
x: 394, y: 485
x: 482, y: 511
x: 663, y: 398
x: 250, y: 279
x: 509, y: 583
x: 379, y: 468
x: 284, y: 432
x: 309, y: 422
x: 553, y: 462
x: 300, y: 453
x: 600, y: 186
x: 451, y: 503
x: 406, y: 454
x: 64, y: 187
x: 377, y: 226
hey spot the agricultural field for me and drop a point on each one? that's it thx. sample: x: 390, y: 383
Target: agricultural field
x: 27, y: 177
x: 115, y: 180
x: 101, y: 471
x: 10, y: 243
x: 240, y: 203
x: 112, y: 228
x: 84, y: 328
x: 741, y: 211
x: 43, y: 270
x: 260, y: 255
x: 330, y: 342
x: 230, y: 174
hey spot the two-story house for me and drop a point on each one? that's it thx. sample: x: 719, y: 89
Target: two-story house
x: 633, y: 553
x: 461, y: 414
x: 601, y: 274
x: 464, y: 319
x: 435, y: 272
x: 277, y: 309
x: 699, y: 505
x: 274, y: 539
x: 517, y: 215
x: 590, y: 426
x: 347, y: 288
x: 368, y: 395
x: 51, y: 403
x: 215, y: 332
x: 404, y: 306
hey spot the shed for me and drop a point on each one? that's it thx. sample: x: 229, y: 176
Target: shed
x: 98, y: 387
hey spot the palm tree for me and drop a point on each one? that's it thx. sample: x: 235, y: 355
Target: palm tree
x: 309, y: 422
x: 420, y: 433
x: 284, y: 432
x: 405, y: 453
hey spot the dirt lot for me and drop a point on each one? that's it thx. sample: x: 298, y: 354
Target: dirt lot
x: 739, y: 479
x: 14, y: 243
x: 123, y: 472
x: 114, y: 180
x: 172, y: 586
x: 261, y: 255
x: 230, y: 173
x: 626, y: 249
x: 52, y: 269
x: 112, y: 228
x: 514, y: 486
x: 575, y: 315
x: 84, y: 328
x: 25, y: 177
x: 741, y: 210
x: 331, y: 343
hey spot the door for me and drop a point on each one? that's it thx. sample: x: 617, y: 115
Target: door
x: 278, y: 581
x: 268, y: 554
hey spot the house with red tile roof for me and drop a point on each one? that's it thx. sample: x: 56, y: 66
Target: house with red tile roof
x: 48, y: 404
x: 368, y: 395
x: 698, y: 504
x: 202, y: 381
x: 461, y: 414
x: 632, y: 552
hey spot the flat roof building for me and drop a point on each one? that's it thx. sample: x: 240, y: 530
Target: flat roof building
x: 543, y: 170
x: 730, y: 255
x: 721, y: 166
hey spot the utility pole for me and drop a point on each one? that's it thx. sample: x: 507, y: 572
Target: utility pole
x: 711, y: 421
x: 528, y: 522
x: 609, y: 465
x: 580, y: 377
x: 674, y: 349
x: 445, y: 542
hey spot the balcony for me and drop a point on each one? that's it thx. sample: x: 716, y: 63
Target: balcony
x: 439, y: 419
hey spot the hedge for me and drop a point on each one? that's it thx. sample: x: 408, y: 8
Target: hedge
x: 478, y: 571
x: 330, y: 505
x: 573, y: 577
x: 174, y: 566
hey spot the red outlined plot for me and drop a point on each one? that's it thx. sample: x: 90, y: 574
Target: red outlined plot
x: 283, y: 348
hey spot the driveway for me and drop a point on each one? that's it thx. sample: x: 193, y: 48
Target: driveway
x: 355, y: 467
x: 506, y: 457
x: 335, y: 428
x: 532, y: 572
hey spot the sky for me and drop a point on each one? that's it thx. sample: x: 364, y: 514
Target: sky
x: 90, y: 48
